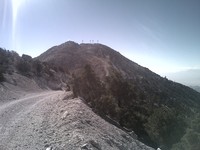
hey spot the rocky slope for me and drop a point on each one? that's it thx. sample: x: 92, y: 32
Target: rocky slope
x: 54, y: 120
x: 72, y: 56
x: 160, y: 111
x: 35, y: 117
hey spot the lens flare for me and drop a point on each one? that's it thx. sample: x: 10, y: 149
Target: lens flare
x: 5, y: 6
x: 15, y: 9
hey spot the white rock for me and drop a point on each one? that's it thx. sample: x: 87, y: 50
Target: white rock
x: 49, y: 148
x: 65, y: 114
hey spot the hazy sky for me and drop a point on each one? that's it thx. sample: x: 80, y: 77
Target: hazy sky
x: 163, y: 35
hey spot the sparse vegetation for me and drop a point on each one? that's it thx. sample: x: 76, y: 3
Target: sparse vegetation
x: 165, y: 126
x: 1, y: 76
x: 157, y: 122
x: 46, y: 75
x: 24, y: 67
x: 3, y: 63
x: 191, y: 139
x: 88, y: 85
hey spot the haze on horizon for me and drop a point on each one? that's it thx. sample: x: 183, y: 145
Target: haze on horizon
x: 163, y: 36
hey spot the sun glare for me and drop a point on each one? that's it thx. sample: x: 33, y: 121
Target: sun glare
x: 15, y: 6
x: 15, y: 9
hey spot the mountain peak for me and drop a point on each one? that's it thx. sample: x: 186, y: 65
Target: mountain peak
x: 69, y: 43
x: 103, y: 59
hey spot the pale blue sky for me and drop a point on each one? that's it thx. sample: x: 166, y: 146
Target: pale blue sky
x: 163, y: 35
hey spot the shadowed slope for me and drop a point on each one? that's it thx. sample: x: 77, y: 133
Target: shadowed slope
x: 157, y: 109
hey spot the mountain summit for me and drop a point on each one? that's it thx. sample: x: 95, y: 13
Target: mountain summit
x: 104, y: 60
x: 158, y: 110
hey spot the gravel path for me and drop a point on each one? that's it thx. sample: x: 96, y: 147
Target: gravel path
x: 52, y: 120
x: 22, y: 121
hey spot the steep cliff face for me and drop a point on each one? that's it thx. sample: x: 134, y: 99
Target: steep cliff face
x: 157, y: 109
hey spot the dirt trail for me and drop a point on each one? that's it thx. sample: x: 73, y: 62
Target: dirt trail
x: 53, y: 120
x: 20, y: 119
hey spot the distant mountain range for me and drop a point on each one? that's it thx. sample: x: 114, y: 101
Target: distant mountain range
x: 189, y: 77
x: 197, y: 88
x: 155, y: 108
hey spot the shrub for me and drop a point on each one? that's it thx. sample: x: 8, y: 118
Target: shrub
x: 165, y: 127
x: 1, y: 76
x: 24, y: 67
x: 191, y: 139
x: 87, y: 85
x: 37, y: 68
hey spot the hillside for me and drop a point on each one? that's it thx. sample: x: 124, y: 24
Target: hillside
x: 72, y: 56
x: 161, y: 112
x: 14, y: 69
x: 36, y: 114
